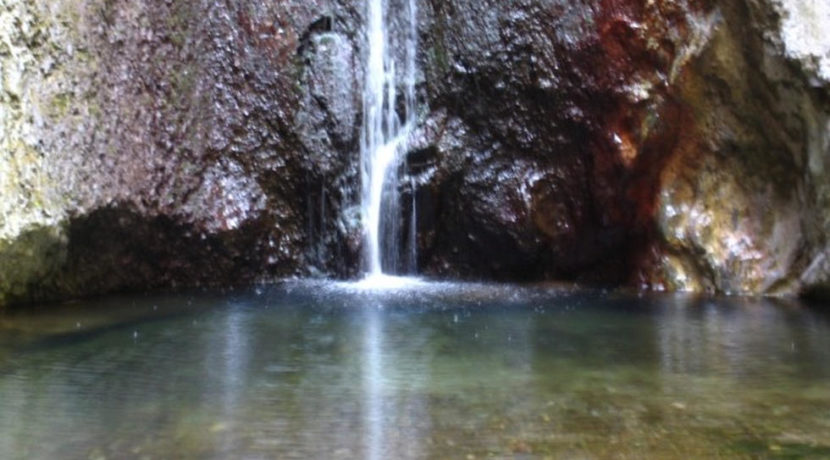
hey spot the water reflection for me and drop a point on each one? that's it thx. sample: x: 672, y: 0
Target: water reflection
x: 373, y: 379
x: 231, y: 357
x: 396, y: 376
x: 320, y: 372
x: 739, y: 338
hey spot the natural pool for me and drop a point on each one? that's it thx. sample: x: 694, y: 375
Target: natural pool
x: 316, y: 370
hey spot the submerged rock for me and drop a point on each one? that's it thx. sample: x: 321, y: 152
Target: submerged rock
x: 678, y: 145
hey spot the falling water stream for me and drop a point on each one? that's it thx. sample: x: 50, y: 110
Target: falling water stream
x: 383, y: 141
x: 385, y: 134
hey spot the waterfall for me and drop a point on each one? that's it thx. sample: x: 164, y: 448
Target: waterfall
x: 385, y: 133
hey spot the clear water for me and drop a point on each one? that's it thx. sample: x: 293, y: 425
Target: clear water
x: 311, y: 370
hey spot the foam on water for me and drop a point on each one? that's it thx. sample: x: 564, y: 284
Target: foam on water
x: 383, y: 282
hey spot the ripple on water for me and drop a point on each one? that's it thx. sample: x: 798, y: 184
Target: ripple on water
x: 312, y: 369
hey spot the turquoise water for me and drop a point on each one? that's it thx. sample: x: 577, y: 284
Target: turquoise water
x: 315, y: 370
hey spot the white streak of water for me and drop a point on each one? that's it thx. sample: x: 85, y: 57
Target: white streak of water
x: 384, y: 136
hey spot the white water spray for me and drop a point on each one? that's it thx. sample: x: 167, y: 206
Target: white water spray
x: 385, y: 134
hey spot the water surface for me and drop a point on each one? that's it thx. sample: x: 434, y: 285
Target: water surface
x: 314, y: 370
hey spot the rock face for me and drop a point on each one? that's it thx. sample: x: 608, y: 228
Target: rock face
x: 675, y: 145
x: 666, y: 144
x: 154, y: 144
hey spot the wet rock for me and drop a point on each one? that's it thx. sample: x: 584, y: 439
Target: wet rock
x: 675, y: 144
x: 571, y: 102
x: 161, y: 144
x: 742, y: 205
